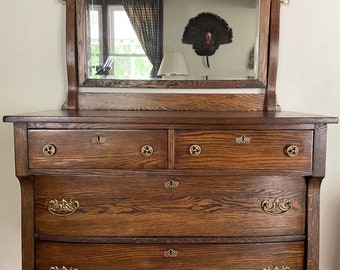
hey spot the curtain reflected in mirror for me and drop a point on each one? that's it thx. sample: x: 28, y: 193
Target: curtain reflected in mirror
x: 124, y: 38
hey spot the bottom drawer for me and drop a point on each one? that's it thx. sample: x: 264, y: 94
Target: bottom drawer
x: 268, y: 256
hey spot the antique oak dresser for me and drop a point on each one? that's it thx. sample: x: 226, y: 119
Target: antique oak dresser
x: 138, y: 180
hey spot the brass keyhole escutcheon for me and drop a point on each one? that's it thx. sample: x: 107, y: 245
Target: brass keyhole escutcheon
x: 172, y: 184
x: 98, y: 139
x: 292, y: 151
x: 147, y: 151
x: 49, y: 150
x: 170, y: 253
x: 195, y: 150
x: 243, y: 140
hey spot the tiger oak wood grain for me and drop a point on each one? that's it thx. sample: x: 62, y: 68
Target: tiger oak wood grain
x: 200, y: 206
x: 127, y: 216
x: 121, y: 149
x: 266, y: 150
x: 200, y: 257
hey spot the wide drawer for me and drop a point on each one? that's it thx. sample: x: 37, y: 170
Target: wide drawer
x: 142, y: 204
x: 176, y: 257
x: 244, y: 149
x: 119, y: 149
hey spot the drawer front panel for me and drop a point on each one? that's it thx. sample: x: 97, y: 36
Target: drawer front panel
x: 163, y: 205
x: 134, y: 149
x: 243, y: 149
x: 176, y: 257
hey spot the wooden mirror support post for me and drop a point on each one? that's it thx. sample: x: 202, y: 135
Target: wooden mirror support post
x: 127, y: 180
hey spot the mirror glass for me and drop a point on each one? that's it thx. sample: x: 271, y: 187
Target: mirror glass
x: 173, y: 40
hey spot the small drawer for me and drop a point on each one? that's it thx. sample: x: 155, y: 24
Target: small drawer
x: 150, y: 205
x: 180, y: 256
x: 97, y: 149
x: 244, y: 150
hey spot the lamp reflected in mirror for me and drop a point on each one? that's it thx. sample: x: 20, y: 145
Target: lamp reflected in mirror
x: 173, y: 67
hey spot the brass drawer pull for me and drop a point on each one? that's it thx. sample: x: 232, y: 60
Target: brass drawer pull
x: 62, y: 268
x: 63, y: 208
x: 170, y: 253
x: 292, y: 151
x: 49, y: 150
x: 195, y: 150
x: 277, y: 268
x: 277, y: 206
x: 171, y: 184
x: 243, y: 140
x: 147, y: 150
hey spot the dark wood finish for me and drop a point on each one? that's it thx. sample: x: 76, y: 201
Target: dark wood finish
x: 273, y: 54
x: 201, y: 257
x: 320, y: 145
x: 199, y: 207
x: 128, y: 215
x: 187, y: 119
x: 27, y: 223
x: 121, y: 149
x: 171, y: 102
x: 21, y: 152
x: 167, y: 240
x: 263, y: 42
x: 71, y: 56
x: 313, y: 224
x: 173, y: 84
x: 80, y: 59
x: 265, y: 151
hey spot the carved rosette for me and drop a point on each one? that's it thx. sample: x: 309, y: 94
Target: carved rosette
x: 277, y: 206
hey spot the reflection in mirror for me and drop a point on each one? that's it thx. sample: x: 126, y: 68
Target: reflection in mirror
x: 124, y: 38
x: 127, y: 38
x: 236, y: 60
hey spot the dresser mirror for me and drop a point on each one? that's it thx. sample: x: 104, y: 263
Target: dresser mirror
x: 114, y: 48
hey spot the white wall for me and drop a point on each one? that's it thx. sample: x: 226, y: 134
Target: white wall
x: 230, y: 60
x: 32, y: 76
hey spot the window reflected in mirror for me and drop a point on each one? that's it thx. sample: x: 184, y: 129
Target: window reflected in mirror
x: 126, y: 59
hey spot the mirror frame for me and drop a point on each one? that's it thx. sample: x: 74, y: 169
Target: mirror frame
x: 267, y: 69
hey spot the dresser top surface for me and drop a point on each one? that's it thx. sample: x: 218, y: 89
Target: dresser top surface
x: 164, y: 117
